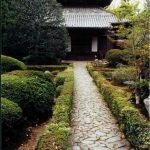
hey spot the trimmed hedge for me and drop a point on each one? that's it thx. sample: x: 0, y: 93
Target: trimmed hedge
x: 135, y: 127
x: 11, y: 113
x: 58, y: 128
x: 10, y: 63
x: 34, y: 95
x: 47, y: 67
x: 32, y: 73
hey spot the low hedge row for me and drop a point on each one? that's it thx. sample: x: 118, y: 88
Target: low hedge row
x: 10, y: 63
x: 33, y: 94
x: 47, y: 67
x: 56, y: 135
x: 135, y: 127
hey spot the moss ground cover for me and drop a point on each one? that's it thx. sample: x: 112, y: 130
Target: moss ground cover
x: 58, y: 128
x: 134, y: 125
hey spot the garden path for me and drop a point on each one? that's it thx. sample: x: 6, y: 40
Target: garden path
x: 93, y: 125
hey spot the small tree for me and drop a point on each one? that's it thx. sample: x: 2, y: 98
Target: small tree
x: 137, y: 36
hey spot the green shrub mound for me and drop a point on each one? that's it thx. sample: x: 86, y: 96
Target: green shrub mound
x: 32, y: 73
x: 135, y: 126
x: 10, y: 113
x: 59, y: 80
x: 34, y: 95
x: 9, y: 64
x: 116, y: 56
x: 58, y: 90
x: 120, y: 75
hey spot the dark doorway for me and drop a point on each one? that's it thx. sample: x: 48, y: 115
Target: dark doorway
x: 81, y: 45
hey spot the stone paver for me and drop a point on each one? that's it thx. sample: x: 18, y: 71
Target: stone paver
x: 93, y: 125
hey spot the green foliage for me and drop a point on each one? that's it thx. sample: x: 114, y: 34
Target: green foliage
x: 116, y: 56
x: 34, y: 29
x: 142, y: 89
x: 48, y: 67
x: 32, y: 73
x: 120, y: 75
x: 135, y: 127
x: 9, y: 64
x: 34, y: 95
x: 58, y: 90
x: 59, y: 81
x: 137, y: 33
x: 62, y: 77
x: 11, y: 113
x: 58, y: 128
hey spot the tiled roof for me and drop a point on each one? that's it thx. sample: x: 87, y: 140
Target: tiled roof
x: 88, y: 18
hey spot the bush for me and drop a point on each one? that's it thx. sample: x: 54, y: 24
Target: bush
x: 32, y: 73
x: 55, y: 72
x: 47, y: 67
x: 58, y: 90
x: 11, y: 113
x: 34, y: 95
x: 142, y: 90
x: 58, y: 128
x: 116, y: 56
x: 120, y: 75
x: 59, y: 81
x: 41, y: 60
x: 135, y: 127
x: 9, y: 64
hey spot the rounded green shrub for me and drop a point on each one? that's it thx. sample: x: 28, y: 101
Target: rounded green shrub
x: 59, y: 80
x: 9, y: 64
x: 34, y: 95
x: 116, y: 56
x: 120, y: 75
x: 58, y: 90
x: 32, y: 73
x: 10, y: 113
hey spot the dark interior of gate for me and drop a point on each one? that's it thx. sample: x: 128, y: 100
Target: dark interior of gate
x: 88, y: 43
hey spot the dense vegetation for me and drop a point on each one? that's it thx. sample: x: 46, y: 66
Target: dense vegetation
x: 11, y: 114
x: 9, y: 64
x: 32, y: 73
x: 31, y: 93
x: 34, y: 30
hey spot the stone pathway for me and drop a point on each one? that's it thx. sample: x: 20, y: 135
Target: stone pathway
x: 93, y: 125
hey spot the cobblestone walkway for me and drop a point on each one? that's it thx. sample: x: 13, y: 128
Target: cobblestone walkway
x: 93, y: 125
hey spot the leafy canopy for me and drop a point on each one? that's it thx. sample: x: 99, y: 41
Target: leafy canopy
x: 33, y: 28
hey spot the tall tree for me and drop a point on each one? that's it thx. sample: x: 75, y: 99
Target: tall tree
x: 37, y: 28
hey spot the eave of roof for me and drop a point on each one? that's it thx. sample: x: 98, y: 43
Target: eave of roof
x: 88, y: 18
